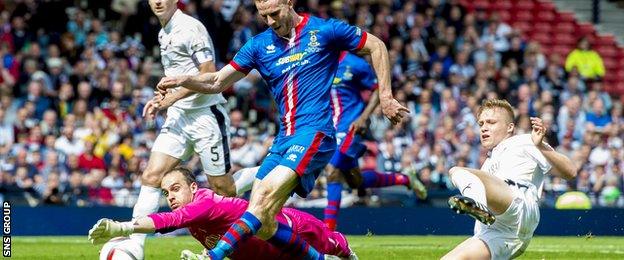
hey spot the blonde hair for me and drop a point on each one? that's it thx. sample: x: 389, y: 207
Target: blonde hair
x: 497, y: 103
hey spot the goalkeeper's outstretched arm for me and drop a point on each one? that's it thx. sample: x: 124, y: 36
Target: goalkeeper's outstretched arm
x: 105, y: 229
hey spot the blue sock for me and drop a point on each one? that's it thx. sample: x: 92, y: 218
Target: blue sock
x: 293, y: 244
x: 247, y: 226
x: 373, y: 179
x: 334, y: 195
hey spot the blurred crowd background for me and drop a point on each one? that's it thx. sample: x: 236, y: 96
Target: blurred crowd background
x: 75, y: 75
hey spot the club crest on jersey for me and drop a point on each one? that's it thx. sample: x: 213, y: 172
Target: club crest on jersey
x: 270, y: 49
x: 313, y: 45
x: 347, y: 75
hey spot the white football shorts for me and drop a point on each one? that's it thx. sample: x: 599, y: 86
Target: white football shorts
x: 512, y: 231
x: 203, y: 131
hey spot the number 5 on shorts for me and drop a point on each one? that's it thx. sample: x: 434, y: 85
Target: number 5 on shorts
x: 215, y: 153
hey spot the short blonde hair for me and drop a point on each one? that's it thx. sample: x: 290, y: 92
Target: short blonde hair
x: 497, y: 103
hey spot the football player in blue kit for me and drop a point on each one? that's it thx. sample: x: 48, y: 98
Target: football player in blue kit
x: 350, y: 113
x: 298, y: 58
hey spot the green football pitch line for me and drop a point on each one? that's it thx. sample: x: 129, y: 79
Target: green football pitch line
x: 367, y: 247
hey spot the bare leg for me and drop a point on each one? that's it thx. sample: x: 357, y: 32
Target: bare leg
x: 268, y: 198
x: 498, y: 194
x: 471, y: 248
x: 223, y: 185
x: 157, y: 165
x: 149, y: 196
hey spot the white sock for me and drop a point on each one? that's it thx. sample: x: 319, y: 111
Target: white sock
x: 469, y: 185
x: 244, y: 179
x: 147, y: 203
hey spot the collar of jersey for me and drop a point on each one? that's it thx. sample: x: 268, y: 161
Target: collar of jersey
x: 169, y: 24
x: 524, y: 140
x: 298, y: 28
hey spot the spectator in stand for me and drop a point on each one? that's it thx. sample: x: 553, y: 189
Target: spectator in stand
x: 585, y: 61
x: 6, y: 135
x: 85, y: 78
x: 75, y: 193
x: 88, y: 161
x: 67, y: 144
x: 97, y: 193
x: 598, y: 115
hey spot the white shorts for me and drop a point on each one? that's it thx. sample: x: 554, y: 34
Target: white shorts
x: 512, y: 231
x: 203, y: 131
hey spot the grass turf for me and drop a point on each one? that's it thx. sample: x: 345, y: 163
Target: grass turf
x: 367, y: 247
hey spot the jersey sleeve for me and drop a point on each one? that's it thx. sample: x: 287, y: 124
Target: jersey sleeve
x: 539, y: 158
x: 245, y: 60
x: 199, y: 45
x: 194, y: 212
x: 366, y: 74
x: 347, y: 37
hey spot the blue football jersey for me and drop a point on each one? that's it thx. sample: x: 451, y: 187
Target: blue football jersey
x: 300, y: 70
x: 353, y: 76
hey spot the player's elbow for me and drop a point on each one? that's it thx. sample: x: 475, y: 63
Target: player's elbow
x: 377, y: 45
x: 570, y: 173
x: 373, y: 45
x: 567, y: 172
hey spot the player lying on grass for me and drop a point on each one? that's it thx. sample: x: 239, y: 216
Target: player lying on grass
x: 208, y: 216
x: 504, y: 194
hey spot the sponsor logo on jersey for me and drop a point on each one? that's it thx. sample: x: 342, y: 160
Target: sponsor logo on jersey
x: 290, y: 58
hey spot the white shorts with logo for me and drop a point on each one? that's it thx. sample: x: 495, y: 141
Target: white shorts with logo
x: 203, y: 131
x: 512, y: 231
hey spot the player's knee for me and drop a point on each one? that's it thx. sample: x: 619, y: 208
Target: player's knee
x: 455, y: 170
x: 151, y: 176
x: 355, y: 178
x: 225, y: 189
x: 334, y: 175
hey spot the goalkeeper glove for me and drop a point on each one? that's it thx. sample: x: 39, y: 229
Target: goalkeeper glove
x: 105, y: 229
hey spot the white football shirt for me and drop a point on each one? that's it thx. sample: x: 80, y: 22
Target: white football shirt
x: 518, y: 159
x: 184, y: 45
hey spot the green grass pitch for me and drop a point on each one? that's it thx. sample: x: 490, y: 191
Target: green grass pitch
x: 367, y: 247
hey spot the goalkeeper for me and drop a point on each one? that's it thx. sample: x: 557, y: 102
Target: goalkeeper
x: 208, y: 216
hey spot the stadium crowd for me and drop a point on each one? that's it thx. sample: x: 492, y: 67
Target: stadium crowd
x: 75, y: 75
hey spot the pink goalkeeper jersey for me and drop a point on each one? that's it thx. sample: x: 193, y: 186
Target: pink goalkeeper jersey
x: 210, y: 215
